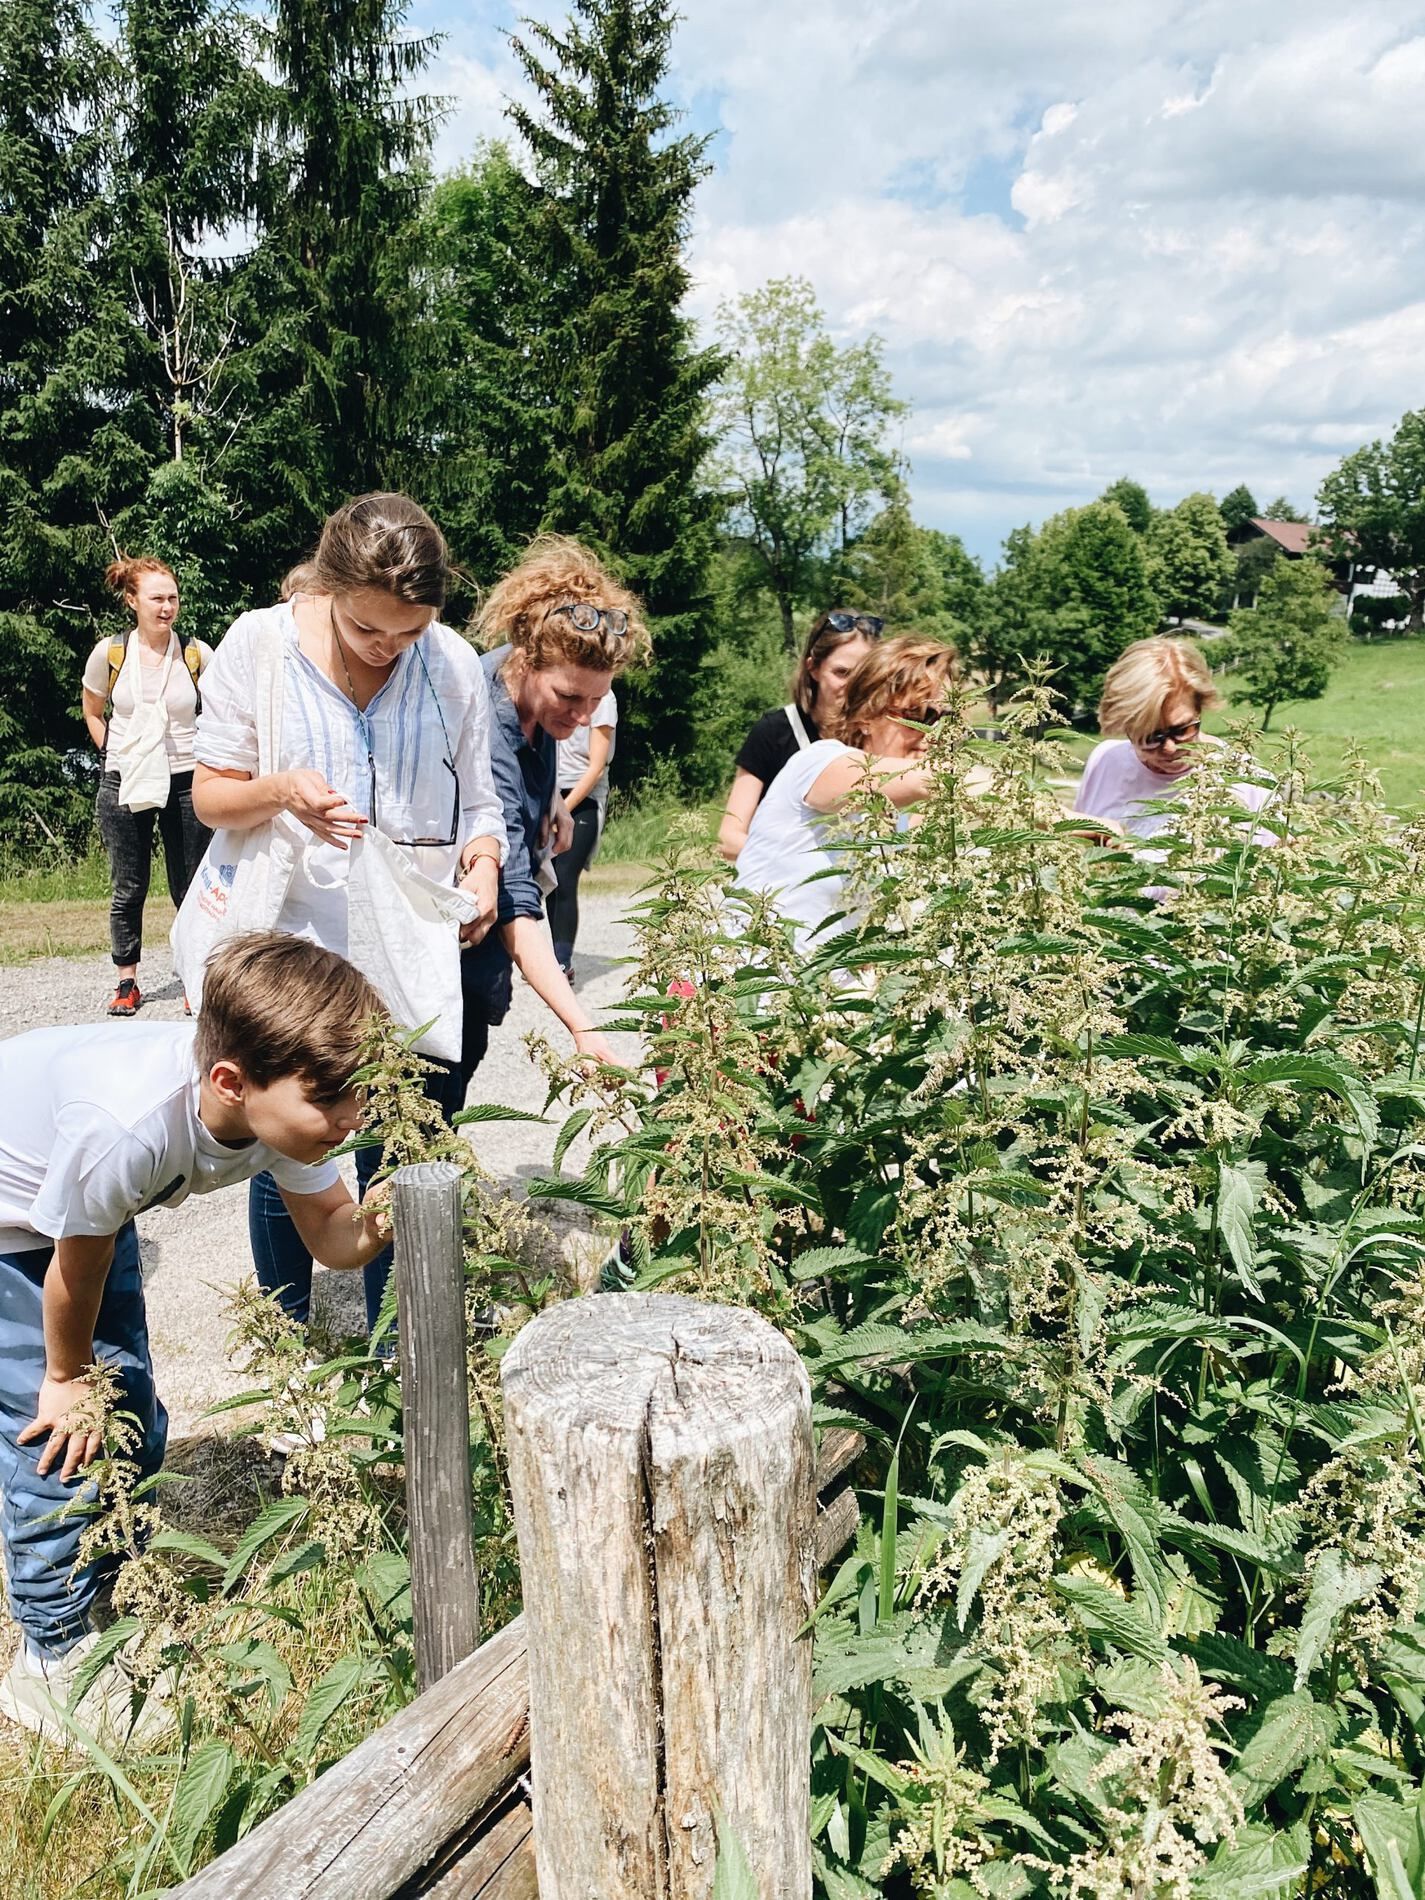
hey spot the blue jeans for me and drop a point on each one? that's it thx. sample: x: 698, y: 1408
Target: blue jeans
x: 284, y: 1266
x: 49, y: 1599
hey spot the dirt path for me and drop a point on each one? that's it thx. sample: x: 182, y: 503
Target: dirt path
x: 194, y: 1254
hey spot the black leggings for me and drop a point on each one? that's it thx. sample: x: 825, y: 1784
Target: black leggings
x: 128, y: 838
x: 562, y: 905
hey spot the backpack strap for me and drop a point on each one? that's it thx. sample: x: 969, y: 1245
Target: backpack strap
x: 117, y: 651
x: 799, y: 731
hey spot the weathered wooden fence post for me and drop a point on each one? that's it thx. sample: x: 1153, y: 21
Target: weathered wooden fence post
x: 662, y: 1469
x: 445, y: 1593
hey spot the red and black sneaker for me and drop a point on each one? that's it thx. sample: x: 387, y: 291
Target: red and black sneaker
x: 126, y: 998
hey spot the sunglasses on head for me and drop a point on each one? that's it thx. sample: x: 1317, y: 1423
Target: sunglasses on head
x: 589, y: 619
x: 1179, y: 735
x: 868, y: 624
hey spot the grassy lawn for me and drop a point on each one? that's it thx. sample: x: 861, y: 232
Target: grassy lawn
x: 1376, y: 699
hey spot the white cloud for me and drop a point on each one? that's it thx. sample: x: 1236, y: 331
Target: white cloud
x: 1183, y: 239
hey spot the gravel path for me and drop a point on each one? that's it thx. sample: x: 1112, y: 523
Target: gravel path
x: 194, y: 1254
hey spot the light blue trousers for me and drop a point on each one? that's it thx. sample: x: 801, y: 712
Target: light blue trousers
x: 50, y: 1598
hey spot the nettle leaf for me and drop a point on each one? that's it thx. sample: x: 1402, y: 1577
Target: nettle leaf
x: 1106, y: 1617
x: 1134, y: 1514
x: 1238, y: 1186
x: 1317, y: 1072
x: 1335, y: 1585
x: 875, y: 1341
x: 1260, y: 1863
x: 200, y: 1791
x: 337, y: 1686
x: 984, y: 1550
x: 733, y: 1878
x: 1293, y: 1731
x: 274, y: 1520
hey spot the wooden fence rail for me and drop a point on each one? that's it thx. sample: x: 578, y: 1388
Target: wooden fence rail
x: 679, y: 1435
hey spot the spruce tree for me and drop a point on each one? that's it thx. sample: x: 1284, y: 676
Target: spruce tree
x: 328, y: 302
x: 608, y: 215
x: 71, y: 443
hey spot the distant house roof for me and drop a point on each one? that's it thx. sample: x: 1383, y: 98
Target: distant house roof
x: 1292, y: 537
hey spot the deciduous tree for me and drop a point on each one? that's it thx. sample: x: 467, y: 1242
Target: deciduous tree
x: 1285, y: 647
x: 1237, y: 507
x: 1189, y: 563
x: 1132, y: 498
x: 804, y: 437
x: 1373, y: 509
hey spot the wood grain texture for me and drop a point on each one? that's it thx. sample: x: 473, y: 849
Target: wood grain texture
x: 498, y: 1864
x: 379, y: 1816
x: 430, y: 1268
x: 663, y: 1476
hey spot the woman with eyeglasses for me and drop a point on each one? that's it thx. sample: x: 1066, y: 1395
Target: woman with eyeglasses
x: 877, y: 741
x: 1154, y: 697
x: 385, y: 722
x: 839, y: 640
x: 560, y: 630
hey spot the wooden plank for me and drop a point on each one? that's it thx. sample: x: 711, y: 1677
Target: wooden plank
x: 379, y: 1816
x: 498, y: 1865
x: 430, y: 1265
x: 838, y: 1451
x: 662, y: 1470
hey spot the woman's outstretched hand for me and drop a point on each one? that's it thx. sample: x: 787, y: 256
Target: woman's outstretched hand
x: 322, y: 809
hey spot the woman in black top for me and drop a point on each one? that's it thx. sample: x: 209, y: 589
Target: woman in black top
x: 838, y: 641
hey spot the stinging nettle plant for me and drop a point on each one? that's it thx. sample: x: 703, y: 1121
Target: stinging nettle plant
x: 1089, y: 1181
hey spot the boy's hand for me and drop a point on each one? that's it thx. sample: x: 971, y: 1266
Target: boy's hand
x: 60, y: 1401
x: 376, y: 1210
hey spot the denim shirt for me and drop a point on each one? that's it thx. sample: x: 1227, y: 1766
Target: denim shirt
x: 525, y: 773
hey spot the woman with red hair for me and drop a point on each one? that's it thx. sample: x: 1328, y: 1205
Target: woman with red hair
x: 141, y: 700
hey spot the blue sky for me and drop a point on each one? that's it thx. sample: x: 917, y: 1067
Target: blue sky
x: 1180, y: 241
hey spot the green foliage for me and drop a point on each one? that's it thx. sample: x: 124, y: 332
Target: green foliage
x: 1373, y: 509
x: 803, y: 429
x: 605, y: 223
x: 1285, y: 647
x: 1106, y: 1206
x: 1189, y: 562
x: 1071, y: 596
x: 917, y: 579
x: 1283, y: 510
x: 1132, y: 498
x: 1252, y: 562
x: 1238, y: 508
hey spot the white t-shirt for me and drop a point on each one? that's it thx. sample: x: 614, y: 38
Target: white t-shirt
x: 99, y: 1122
x: 787, y: 843
x: 1116, y: 784
x: 574, y: 751
x: 138, y: 682
x: 321, y: 728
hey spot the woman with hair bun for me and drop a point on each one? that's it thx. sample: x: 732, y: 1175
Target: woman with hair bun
x: 1150, y: 713
x: 141, y: 699
x: 837, y: 643
x: 384, y: 724
x: 561, y: 630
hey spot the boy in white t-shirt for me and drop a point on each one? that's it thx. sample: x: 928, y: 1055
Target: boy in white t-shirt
x: 96, y: 1125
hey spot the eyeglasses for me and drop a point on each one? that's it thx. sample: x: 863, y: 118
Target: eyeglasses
x: 1180, y: 735
x: 869, y: 624
x: 447, y: 761
x: 589, y: 619
x: 920, y: 715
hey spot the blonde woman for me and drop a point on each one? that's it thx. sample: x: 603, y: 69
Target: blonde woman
x: 1151, y: 713
x: 561, y: 630
x: 878, y: 738
x: 141, y: 695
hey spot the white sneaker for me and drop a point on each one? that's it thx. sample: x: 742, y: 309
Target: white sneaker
x: 36, y: 1688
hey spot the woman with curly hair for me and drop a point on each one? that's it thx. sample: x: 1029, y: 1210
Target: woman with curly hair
x: 561, y: 630
x: 878, y: 740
